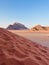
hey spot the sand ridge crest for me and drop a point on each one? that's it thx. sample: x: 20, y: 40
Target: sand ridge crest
x: 16, y: 50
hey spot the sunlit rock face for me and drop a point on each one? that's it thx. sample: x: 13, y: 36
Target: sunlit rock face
x: 40, y: 28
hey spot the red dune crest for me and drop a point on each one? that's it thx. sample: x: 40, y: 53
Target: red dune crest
x: 16, y: 50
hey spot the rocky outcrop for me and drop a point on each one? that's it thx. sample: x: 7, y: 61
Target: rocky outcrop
x: 40, y: 28
x: 17, y: 26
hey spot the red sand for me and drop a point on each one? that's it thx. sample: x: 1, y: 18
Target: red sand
x: 16, y: 50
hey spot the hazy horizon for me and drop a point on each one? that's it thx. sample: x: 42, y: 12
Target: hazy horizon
x: 27, y: 12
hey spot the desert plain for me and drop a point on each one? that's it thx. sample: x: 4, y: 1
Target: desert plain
x: 41, y: 38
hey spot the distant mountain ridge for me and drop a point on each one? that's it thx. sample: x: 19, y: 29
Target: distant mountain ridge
x: 40, y: 28
x: 17, y: 26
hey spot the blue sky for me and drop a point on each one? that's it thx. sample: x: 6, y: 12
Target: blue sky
x: 27, y: 12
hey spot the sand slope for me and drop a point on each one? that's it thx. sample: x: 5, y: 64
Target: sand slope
x: 16, y: 50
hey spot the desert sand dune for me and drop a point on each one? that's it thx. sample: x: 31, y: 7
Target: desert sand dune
x: 16, y: 50
x: 38, y: 37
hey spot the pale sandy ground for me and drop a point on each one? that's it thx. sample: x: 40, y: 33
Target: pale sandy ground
x: 38, y: 37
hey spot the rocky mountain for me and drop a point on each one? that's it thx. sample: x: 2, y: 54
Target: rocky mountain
x: 40, y: 28
x: 16, y: 50
x: 16, y: 26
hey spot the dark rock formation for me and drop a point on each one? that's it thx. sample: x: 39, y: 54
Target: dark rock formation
x: 16, y: 26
